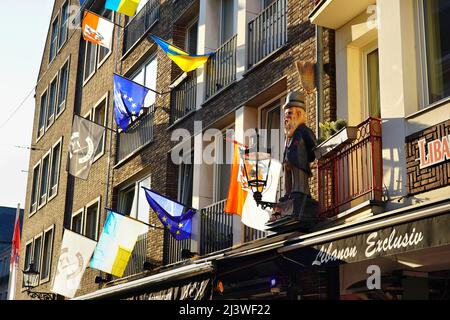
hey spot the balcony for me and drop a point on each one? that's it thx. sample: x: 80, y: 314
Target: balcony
x: 140, y: 24
x: 138, y: 257
x: 216, y: 230
x: 221, y: 68
x: 173, y: 248
x: 267, y: 32
x: 136, y: 137
x: 183, y: 97
x: 353, y: 174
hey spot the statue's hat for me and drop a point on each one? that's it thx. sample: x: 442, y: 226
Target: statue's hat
x: 294, y: 99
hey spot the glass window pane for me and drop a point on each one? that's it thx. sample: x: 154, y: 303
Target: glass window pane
x: 48, y: 238
x: 126, y: 199
x: 224, y: 169
x: 54, y: 175
x: 44, y: 180
x: 77, y: 223
x: 99, y: 117
x: 227, y: 20
x: 150, y: 82
x: 34, y: 189
x: 89, y: 66
x: 28, y: 255
x: 51, y: 103
x: 63, y: 77
x: 437, y: 28
x: 37, y: 253
x: 373, y: 82
x: 186, y: 176
x: 54, y: 40
x: 42, y: 111
x: 92, y: 221
x: 192, y: 38
x: 64, y: 24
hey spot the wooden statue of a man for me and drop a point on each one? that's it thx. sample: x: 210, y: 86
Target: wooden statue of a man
x: 298, y: 154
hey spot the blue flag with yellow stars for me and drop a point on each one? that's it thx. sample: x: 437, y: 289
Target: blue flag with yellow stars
x: 175, y: 217
x: 129, y: 98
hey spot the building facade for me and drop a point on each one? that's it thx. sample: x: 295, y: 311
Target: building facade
x: 381, y: 184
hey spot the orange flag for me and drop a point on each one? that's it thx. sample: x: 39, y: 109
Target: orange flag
x: 236, y: 194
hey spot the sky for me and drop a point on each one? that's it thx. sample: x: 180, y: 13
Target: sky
x: 23, y: 35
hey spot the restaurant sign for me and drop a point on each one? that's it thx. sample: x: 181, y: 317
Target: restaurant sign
x: 402, y: 238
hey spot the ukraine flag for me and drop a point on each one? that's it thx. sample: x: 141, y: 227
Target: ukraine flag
x: 127, y: 7
x: 187, y: 62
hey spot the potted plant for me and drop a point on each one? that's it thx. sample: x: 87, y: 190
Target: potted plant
x: 335, y: 134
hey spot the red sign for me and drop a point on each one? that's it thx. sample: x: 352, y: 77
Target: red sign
x: 438, y: 151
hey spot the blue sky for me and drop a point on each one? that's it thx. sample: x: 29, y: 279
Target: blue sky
x: 23, y: 34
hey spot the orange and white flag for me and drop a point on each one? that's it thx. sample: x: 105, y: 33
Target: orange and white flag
x: 240, y: 199
x: 97, y: 30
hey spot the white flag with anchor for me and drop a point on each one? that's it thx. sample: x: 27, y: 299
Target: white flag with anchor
x: 86, y: 136
x: 76, y: 252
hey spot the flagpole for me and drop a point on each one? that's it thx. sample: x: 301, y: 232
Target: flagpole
x: 13, y: 264
x: 117, y: 25
x: 134, y: 219
x: 107, y: 128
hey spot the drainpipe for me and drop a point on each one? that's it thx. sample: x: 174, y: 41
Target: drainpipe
x: 319, y: 78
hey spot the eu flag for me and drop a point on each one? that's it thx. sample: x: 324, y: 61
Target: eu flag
x: 129, y: 98
x: 172, y: 214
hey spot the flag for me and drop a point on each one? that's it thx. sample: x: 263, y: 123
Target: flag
x: 172, y: 214
x: 127, y: 7
x: 240, y: 199
x: 76, y: 251
x: 14, y: 259
x: 129, y: 98
x: 116, y: 243
x: 187, y: 62
x: 97, y: 30
x: 86, y: 136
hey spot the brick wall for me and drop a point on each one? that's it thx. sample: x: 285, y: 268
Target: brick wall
x: 432, y: 177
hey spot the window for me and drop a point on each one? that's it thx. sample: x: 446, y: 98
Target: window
x: 373, y: 84
x: 44, y: 180
x: 99, y: 116
x: 92, y: 220
x: 224, y: 160
x: 186, y: 172
x: 37, y: 252
x: 28, y: 251
x: 227, y: 20
x: 146, y: 76
x: 54, y: 172
x: 34, y: 189
x: 47, y: 254
x: 191, y: 39
x: 51, y: 103
x: 63, y: 82
x: 77, y: 222
x: 132, y: 200
x: 90, y: 60
x: 54, y: 40
x: 42, y: 111
x: 437, y: 49
x: 64, y: 24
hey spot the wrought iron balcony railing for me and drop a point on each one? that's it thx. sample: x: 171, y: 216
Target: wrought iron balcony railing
x: 138, y: 257
x: 137, y: 136
x: 221, y: 67
x: 140, y: 24
x: 216, y: 231
x: 173, y: 248
x: 353, y: 174
x: 267, y: 32
x: 183, y: 97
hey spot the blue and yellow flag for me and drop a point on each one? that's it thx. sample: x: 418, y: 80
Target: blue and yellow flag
x: 172, y: 214
x: 127, y: 7
x: 187, y: 62
x: 129, y: 98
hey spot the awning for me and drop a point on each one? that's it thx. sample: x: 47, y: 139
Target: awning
x: 129, y: 288
x: 334, y: 14
x: 388, y: 234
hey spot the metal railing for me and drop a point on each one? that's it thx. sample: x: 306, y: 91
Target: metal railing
x: 173, y: 248
x: 138, y: 135
x: 140, y: 24
x: 183, y: 97
x: 353, y: 175
x: 216, y: 230
x: 221, y: 67
x: 267, y: 32
x: 138, y: 257
x: 251, y: 234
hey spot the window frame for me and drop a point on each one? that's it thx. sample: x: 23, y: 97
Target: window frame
x: 143, y: 67
x: 35, y: 204
x: 47, y: 154
x: 94, y: 70
x: 74, y: 214
x: 61, y: 45
x: 39, y: 133
x: 101, y: 62
x: 59, y: 109
x: 181, y: 170
x: 25, y: 264
x: 221, y: 18
x: 51, y: 59
x: 85, y: 213
x: 50, y: 197
x: 188, y: 28
x: 219, y: 153
x: 39, y: 235
x: 48, y: 122
x: 105, y: 98
x: 365, y: 51
x: 47, y: 279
